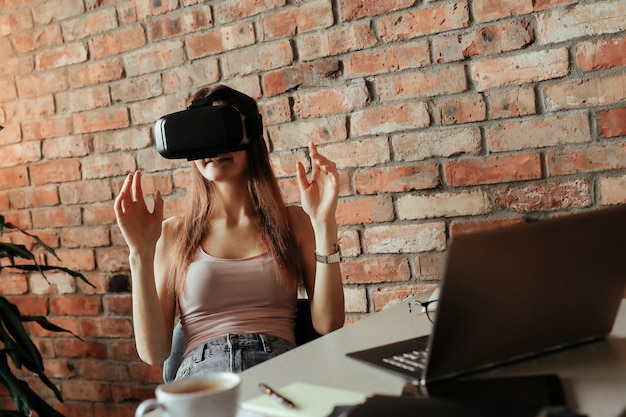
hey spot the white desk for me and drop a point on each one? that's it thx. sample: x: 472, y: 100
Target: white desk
x: 594, y: 375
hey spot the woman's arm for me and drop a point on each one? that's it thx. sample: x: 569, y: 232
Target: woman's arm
x: 318, y: 233
x: 147, y: 237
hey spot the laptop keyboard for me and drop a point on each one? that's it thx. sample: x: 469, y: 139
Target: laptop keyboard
x: 412, y: 361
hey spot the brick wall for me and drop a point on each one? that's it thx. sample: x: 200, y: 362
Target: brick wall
x: 444, y: 117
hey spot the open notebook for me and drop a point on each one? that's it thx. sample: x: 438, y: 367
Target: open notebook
x: 516, y: 292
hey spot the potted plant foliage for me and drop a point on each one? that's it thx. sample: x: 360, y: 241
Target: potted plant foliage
x: 17, y: 350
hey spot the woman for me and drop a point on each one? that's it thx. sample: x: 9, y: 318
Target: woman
x: 233, y: 261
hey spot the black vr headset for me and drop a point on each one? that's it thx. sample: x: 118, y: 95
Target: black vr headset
x: 204, y: 130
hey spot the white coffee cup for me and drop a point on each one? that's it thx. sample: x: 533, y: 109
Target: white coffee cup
x: 215, y: 395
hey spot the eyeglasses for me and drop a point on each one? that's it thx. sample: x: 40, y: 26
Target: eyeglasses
x: 429, y: 307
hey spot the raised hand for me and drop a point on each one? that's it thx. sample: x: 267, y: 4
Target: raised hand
x: 140, y: 227
x: 319, y: 195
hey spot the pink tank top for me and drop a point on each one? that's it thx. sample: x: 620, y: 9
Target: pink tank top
x: 235, y: 296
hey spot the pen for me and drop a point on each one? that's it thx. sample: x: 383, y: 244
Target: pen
x: 269, y: 391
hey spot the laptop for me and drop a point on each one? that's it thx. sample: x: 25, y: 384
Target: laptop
x: 517, y: 292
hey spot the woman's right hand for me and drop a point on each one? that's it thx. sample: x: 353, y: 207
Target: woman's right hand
x: 140, y: 227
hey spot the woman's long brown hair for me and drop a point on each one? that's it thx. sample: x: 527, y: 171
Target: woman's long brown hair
x: 275, y: 233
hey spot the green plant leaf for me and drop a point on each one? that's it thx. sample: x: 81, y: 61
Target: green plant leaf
x: 13, y: 250
x: 42, y: 268
x: 47, y: 325
x: 12, y: 322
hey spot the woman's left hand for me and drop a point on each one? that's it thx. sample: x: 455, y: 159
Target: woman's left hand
x: 319, y: 195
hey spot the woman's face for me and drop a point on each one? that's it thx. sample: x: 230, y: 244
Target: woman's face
x: 226, y: 167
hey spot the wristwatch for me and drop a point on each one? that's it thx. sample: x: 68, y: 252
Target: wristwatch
x: 333, y: 258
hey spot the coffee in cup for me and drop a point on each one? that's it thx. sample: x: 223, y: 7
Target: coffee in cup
x: 215, y: 394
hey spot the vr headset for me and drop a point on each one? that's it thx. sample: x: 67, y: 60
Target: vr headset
x: 204, y: 131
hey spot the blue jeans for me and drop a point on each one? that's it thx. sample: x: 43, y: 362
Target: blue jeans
x: 232, y: 353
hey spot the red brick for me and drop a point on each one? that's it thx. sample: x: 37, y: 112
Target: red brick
x: 486, y: 10
x: 88, y: 98
x: 549, y: 196
x: 490, y: 40
x: 443, y: 142
x: 520, y: 69
x: 14, y: 283
x: 55, y: 172
x: 60, y: 368
x: 389, y: 118
x: 7, y: 92
x: 375, y: 270
x: 512, y: 103
x: 96, y: 73
x: 591, y: 92
x: 443, y: 204
x: 98, y: 120
x: 89, y: 24
x: 199, y: 72
x: 612, y: 122
x: 316, y: 74
x: 405, y: 238
x: 75, y: 305
x: 84, y: 390
x: 22, y: 198
x: 56, y: 216
x: 106, y: 166
x: 107, y: 327
x: 365, y: 210
x: 259, y: 58
x: 335, y: 41
x: 593, y: 158
x: 43, y: 82
x: 436, y: 19
x: 145, y: 374
x: 123, y: 350
x: 54, y: 11
x: 231, y: 11
x: 85, y: 236
x: 154, y: 58
x: 37, y: 38
x: 460, y: 109
x: 85, y: 192
x: 430, y: 266
x: 66, y: 323
x: 220, y: 40
x: 290, y: 21
x: 118, y: 305
x: 98, y: 214
x: 355, y: 9
x: 93, y: 370
x: 29, y: 305
x: 401, y: 178
x: 179, y: 24
x: 298, y: 135
x: 367, y: 152
x: 114, y: 43
x: 47, y: 128
x: 426, y: 83
x: 330, y: 101
x: 386, y: 59
x: 613, y: 190
x: 113, y: 260
x: 61, y: 56
x: 135, y: 90
x: 13, y: 66
x: 597, y: 55
x: 387, y: 296
x: 494, y: 169
x: 18, y: 21
x: 590, y: 19
x: 284, y: 164
x: 21, y: 153
x: 538, y: 132
x: 75, y: 348
x: 67, y: 147
x: 465, y: 227
x: 77, y: 259
x: 118, y: 410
